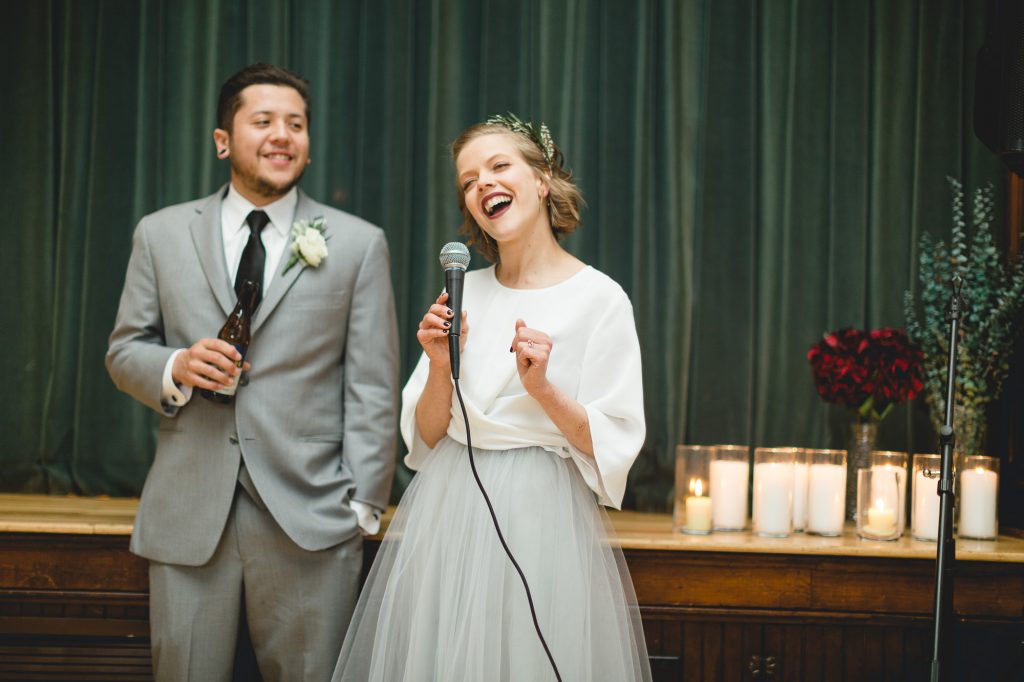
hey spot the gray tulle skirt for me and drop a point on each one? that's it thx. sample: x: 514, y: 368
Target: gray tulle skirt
x: 443, y: 603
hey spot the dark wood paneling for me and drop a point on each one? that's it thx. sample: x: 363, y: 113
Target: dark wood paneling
x: 813, y: 582
x: 71, y: 562
x: 63, y: 612
x: 83, y: 659
x: 75, y: 607
x: 712, y: 652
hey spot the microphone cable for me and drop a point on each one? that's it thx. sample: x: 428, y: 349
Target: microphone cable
x: 501, y: 537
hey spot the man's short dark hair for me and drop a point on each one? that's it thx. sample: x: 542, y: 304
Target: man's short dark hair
x: 230, y: 100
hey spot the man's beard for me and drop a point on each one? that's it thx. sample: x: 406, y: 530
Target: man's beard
x: 262, y: 187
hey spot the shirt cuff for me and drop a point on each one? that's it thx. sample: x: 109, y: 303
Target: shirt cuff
x: 172, y: 395
x: 369, y: 516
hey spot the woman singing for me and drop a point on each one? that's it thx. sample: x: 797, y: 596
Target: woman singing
x: 550, y: 374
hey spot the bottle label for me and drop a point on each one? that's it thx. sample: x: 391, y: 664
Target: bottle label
x: 233, y: 386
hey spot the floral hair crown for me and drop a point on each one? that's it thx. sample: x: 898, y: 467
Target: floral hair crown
x: 540, y: 136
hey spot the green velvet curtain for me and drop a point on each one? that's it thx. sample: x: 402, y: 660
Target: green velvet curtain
x: 756, y: 173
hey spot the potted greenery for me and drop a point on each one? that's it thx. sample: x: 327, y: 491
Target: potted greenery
x: 993, y: 295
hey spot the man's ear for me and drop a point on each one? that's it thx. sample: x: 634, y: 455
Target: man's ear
x: 221, y: 140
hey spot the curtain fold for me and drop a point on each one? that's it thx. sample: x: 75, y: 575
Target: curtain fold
x: 755, y: 174
x: 28, y: 253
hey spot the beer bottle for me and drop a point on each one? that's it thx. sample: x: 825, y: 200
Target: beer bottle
x: 236, y: 332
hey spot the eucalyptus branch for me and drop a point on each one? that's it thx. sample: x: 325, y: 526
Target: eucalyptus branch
x: 994, y: 299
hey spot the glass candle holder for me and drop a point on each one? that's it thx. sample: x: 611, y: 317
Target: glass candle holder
x: 773, y: 491
x: 692, y: 513
x: 889, y: 459
x: 826, y: 491
x: 924, y: 517
x: 801, y: 461
x: 979, y: 495
x: 878, y: 499
x: 730, y: 483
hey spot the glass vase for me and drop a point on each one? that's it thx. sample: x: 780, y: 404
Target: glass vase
x: 970, y: 426
x: 878, y: 502
x: 692, y: 513
x: 862, y: 443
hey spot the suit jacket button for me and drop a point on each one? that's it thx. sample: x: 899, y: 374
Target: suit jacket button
x: 233, y: 438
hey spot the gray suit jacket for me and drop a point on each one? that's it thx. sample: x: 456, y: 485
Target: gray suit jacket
x: 316, y: 421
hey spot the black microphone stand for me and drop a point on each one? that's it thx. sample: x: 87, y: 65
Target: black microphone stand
x: 946, y: 553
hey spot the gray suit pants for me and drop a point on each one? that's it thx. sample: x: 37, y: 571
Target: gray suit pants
x: 297, y: 603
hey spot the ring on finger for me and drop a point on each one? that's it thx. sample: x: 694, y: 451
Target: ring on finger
x: 530, y: 343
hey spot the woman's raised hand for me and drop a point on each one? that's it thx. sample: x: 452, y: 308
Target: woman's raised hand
x: 433, y: 332
x: 532, y: 348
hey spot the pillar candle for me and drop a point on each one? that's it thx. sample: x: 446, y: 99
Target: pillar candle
x: 799, y: 496
x: 826, y: 499
x: 926, y: 507
x: 698, y: 514
x: 881, y: 522
x: 729, y: 494
x: 978, y: 503
x: 773, y: 498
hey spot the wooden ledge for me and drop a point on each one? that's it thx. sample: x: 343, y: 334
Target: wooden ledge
x: 641, y: 531
x: 71, y: 515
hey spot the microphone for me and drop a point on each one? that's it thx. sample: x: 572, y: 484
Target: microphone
x: 454, y: 259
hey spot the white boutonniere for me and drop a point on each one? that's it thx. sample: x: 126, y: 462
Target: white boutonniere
x: 309, y: 244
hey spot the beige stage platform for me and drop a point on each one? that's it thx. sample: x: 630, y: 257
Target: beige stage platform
x: 727, y: 606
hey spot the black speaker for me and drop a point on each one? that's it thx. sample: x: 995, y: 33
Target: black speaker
x: 999, y: 84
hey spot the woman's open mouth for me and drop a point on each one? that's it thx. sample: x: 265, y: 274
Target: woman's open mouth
x: 496, y: 204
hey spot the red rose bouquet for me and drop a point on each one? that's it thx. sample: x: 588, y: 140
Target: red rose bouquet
x: 868, y: 372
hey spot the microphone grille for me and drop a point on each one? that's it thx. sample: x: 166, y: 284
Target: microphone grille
x: 454, y: 255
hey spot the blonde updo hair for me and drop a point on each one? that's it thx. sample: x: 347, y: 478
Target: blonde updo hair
x: 564, y: 198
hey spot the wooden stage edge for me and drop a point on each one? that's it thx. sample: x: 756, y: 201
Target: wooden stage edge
x: 69, y: 515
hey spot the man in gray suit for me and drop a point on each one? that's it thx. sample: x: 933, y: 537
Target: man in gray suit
x: 254, y: 509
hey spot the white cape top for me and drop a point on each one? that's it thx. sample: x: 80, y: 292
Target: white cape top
x: 595, y: 358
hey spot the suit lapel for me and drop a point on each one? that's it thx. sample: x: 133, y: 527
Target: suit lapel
x: 305, y: 209
x: 209, y: 243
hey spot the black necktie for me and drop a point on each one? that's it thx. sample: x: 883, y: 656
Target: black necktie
x: 253, y: 257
